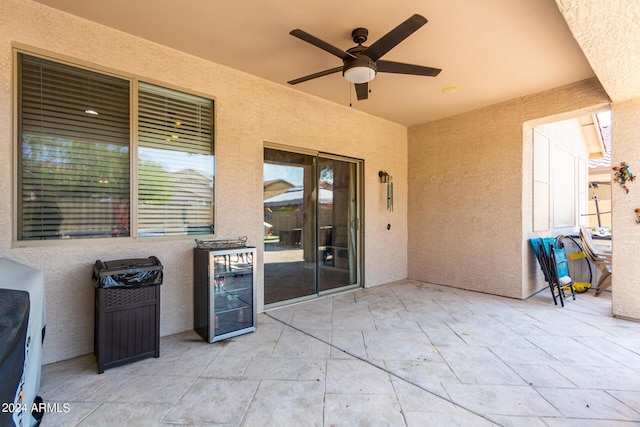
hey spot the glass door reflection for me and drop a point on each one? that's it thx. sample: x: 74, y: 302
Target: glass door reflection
x: 337, y: 224
x: 311, y: 212
x: 290, y: 225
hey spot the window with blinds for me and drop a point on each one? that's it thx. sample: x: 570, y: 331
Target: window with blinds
x: 175, y: 162
x: 75, y: 149
x: 73, y: 152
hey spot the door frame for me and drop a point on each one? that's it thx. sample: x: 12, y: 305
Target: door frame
x: 359, y: 163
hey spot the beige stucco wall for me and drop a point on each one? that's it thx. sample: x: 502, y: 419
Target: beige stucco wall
x: 609, y: 38
x: 625, y: 127
x: 249, y: 111
x: 470, y: 198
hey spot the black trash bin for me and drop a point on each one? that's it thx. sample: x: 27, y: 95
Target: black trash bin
x: 127, y: 310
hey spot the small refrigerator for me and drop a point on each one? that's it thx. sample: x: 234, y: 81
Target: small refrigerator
x: 224, y: 294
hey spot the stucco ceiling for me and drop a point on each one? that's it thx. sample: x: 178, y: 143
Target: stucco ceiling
x: 494, y: 50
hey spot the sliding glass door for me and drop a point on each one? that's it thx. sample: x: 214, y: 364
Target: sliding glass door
x: 311, y: 214
x: 289, y: 216
x: 337, y: 224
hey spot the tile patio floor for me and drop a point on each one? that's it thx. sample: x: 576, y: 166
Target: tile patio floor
x: 402, y: 354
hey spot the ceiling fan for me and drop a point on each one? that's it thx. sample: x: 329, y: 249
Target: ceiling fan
x: 362, y: 63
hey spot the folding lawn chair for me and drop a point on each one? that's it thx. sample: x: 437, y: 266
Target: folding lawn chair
x: 603, y: 260
x: 560, y: 274
x: 553, y: 262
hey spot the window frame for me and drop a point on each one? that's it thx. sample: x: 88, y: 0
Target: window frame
x: 550, y: 158
x: 134, y: 80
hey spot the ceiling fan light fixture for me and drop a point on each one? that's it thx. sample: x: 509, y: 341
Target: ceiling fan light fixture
x: 360, y: 73
x: 361, y: 63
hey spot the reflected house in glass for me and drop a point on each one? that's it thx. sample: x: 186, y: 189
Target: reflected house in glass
x: 276, y: 187
x: 285, y: 213
x: 187, y: 205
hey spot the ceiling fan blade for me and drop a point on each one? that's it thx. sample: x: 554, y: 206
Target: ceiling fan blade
x: 315, y: 75
x: 401, y: 68
x: 302, y: 35
x: 394, y: 37
x: 362, y: 91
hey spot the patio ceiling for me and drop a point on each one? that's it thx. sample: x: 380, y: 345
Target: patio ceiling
x: 495, y: 50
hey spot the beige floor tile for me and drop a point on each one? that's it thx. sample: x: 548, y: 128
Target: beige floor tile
x: 296, y: 344
x: 629, y: 398
x: 589, y: 404
x: 501, y: 400
x: 119, y: 414
x: 543, y: 375
x: 77, y: 411
x: 581, y: 422
x: 571, y: 351
x: 454, y: 418
x: 395, y: 324
x: 310, y: 319
x: 414, y: 398
x: 518, y: 421
x: 286, y: 369
x: 226, y: 367
x: 441, y: 334
x: 213, y: 401
x: 75, y: 387
x: 356, y: 317
x: 142, y: 389
x: 489, y: 334
x: 424, y: 355
x: 478, y: 365
x: 401, y: 345
x: 619, y: 350
x: 347, y: 344
x: 589, y: 377
x: 426, y: 374
x: 362, y: 410
x: 357, y: 377
x: 524, y: 356
x: 286, y: 403
x: 246, y: 348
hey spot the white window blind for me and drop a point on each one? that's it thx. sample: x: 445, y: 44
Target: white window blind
x: 175, y: 162
x: 73, y: 152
